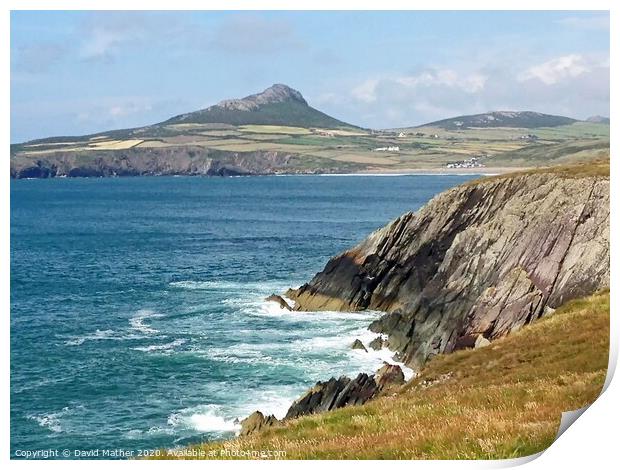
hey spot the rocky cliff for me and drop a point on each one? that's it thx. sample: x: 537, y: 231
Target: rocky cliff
x: 475, y: 263
x: 187, y: 160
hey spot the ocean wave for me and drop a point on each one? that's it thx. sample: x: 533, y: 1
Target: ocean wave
x: 263, y: 308
x: 377, y: 358
x: 99, y: 335
x: 203, y: 418
x: 137, y: 321
x: 263, y: 286
x: 161, y: 347
x: 52, y: 421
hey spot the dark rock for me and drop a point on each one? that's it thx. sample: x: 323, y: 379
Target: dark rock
x: 278, y: 299
x: 335, y: 393
x: 389, y: 376
x: 357, y: 344
x: 377, y: 344
x: 255, y: 422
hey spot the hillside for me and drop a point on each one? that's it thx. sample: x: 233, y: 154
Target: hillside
x: 520, y: 119
x: 277, y: 132
x: 502, y: 401
x: 278, y: 105
x: 598, y: 119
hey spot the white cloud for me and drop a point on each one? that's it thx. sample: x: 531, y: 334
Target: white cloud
x: 555, y: 70
x: 575, y: 85
x: 368, y: 90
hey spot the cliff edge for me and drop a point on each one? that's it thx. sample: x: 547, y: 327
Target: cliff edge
x: 478, y: 261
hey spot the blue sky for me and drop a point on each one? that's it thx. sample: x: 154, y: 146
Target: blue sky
x: 80, y: 72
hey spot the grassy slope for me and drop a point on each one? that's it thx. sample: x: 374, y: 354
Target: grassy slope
x: 290, y: 113
x: 501, y: 401
x: 585, y: 169
x: 550, y: 154
x: 340, y: 149
x: 526, y: 119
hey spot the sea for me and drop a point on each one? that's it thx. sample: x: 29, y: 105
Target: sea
x: 138, y: 314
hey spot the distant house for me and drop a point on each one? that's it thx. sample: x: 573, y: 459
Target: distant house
x: 392, y: 148
x: 473, y: 162
x: 402, y: 134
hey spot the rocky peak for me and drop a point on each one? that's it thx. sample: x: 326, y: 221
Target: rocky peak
x: 277, y: 93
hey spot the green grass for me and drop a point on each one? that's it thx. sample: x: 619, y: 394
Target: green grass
x: 289, y: 113
x: 548, y: 154
x: 502, y: 401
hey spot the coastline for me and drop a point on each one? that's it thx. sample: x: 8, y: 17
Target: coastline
x: 480, y: 171
x: 442, y: 171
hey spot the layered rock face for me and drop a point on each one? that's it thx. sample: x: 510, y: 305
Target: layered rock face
x: 475, y: 263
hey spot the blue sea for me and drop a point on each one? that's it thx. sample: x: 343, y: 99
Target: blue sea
x: 138, y: 317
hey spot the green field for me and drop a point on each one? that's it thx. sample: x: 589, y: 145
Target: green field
x: 353, y: 149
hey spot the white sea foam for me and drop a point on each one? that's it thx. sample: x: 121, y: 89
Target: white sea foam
x: 265, y: 286
x: 312, y: 345
x: 161, y: 347
x: 275, y: 400
x: 53, y: 421
x: 50, y: 421
x: 137, y: 322
x: 99, y: 335
x: 203, y: 418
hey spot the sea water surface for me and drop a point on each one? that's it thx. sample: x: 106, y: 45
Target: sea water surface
x: 138, y: 317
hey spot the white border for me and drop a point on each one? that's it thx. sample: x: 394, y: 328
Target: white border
x: 592, y: 442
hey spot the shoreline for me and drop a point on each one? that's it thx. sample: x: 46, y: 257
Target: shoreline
x: 481, y: 171
x: 442, y: 171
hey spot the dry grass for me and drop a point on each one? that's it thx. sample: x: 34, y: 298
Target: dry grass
x: 593, y: 168
x: 498, y: 402
x: 115, y: 144
x: 265, y: 129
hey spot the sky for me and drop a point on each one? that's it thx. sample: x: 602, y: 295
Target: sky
x: 74, y: 73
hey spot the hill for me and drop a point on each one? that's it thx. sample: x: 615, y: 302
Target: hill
x: 598, y: 119
x: 520, y: 119
x: 277, y: 105
x: 277, y: 132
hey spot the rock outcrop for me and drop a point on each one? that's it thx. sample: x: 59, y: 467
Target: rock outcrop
x: 279, y: 300
x: 357, y: 344
x: 338, y: 393
x: 388, y: 377
x: 332, y: 394
x: 377, y: 344
x: 255, y: 422
x: 477, y: 262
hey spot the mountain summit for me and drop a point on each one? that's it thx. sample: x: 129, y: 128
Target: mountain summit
x: 277, y: 93
x: 277, y: 105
